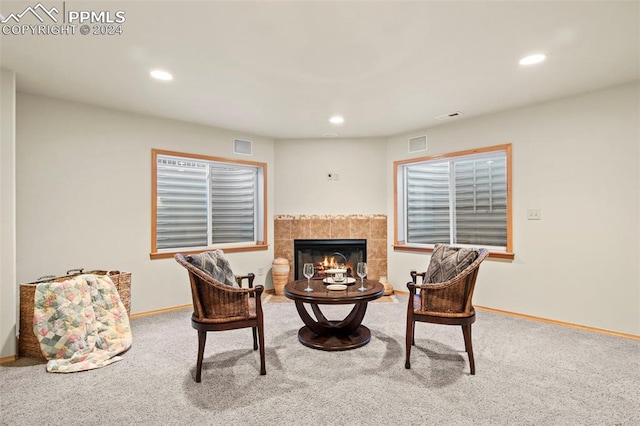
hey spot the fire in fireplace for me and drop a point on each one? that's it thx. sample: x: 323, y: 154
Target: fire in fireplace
x: 329, y: 254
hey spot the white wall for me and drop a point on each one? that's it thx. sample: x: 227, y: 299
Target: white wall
x: 8, y: 303
x: 84, y: 194
x: 576, y: 159
x: 301, y: 176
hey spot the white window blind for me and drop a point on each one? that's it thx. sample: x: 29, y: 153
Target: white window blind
x: 481, y: 201
x: 428, y: 213
x: 203, y: 203
x: 457, y: 200
x: 182, y: 199
x: 233, y: 204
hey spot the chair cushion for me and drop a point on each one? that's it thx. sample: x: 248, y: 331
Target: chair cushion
x: 447, y: 262
x: 214, y: 264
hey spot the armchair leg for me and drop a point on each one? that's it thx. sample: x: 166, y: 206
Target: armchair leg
x: 202, y: 340
x: 466, y: 331
x: 255, y: 340
x: 263, y: 369
x: 410, y: 330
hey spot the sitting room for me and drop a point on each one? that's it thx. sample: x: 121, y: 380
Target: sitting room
x: 137, y: 136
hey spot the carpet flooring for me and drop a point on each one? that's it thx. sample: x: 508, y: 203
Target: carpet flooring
x: 527, y: 373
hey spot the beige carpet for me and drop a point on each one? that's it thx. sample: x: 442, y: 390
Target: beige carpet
x: 527, y: 373
x: 273, y: 298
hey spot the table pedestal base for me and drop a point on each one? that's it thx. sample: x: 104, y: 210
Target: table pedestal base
x: 335, y: 341
x: 319, y: 332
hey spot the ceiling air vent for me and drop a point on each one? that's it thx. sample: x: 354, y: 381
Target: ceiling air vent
x: 419, y: 143
x: 241, y: 146
x: 449, y: 116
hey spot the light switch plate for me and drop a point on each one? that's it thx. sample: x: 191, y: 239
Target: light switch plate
x: 534, y: 214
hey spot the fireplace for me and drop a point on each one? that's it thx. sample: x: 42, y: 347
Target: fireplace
x: 328, y: 254
x: 371, y: 228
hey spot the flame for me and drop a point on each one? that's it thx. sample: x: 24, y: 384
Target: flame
x: 331, y: 263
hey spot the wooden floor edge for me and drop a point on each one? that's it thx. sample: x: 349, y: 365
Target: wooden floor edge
x: 8, y: 359
x: 561, y: 323
x: 160, y: 311
x: 548, y: 321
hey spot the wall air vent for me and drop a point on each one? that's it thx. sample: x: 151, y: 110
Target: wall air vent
x: 449, y: 116
x: 418, y: 143
x: 241, y: 146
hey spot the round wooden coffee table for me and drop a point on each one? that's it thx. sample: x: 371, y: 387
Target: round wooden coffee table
x: 331, y: 335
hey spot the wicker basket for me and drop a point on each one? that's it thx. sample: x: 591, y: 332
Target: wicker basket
x: 28, y: 344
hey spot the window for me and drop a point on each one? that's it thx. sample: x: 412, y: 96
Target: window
x: 204, y: 202
x: 462, y: 198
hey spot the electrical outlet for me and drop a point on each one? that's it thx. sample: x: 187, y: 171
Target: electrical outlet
x: 534, y: 214
x: 336, y: 176
x: 260, y: 271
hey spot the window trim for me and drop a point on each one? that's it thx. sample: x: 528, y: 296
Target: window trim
x: 403, y: 246
x: 230, y: 248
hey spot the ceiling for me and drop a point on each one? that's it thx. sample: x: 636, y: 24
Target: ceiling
x: 282, y: 68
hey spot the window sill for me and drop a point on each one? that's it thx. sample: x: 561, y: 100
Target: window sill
x: 492, y: 254
x: 168, y: 254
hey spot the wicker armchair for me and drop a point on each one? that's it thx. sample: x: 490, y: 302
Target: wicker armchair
x: 218, y: 307
x: 447, y: 302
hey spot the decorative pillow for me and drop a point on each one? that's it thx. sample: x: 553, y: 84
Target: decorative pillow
x: 214, y: 264
x: 447, y: 262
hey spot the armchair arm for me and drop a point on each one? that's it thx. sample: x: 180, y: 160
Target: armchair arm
x: 258, y: 296
x: 249, y: 277
x: 412, y: 286
x: 415, y: 275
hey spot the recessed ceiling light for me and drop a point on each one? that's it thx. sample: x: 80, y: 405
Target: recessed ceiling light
x: 336, y: 119
x: 329, y: 135
x: 161, y: 75
x: 532, y: 59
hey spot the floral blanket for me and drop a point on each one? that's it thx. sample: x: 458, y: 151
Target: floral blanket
x: 81, y: 323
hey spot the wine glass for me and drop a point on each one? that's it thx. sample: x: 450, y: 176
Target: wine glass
x: 308, y: 270
x: 361, y: 270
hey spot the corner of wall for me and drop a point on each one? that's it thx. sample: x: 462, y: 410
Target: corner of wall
x: 8, y: 285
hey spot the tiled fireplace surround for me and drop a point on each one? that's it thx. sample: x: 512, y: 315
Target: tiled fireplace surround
x: 372, y: 228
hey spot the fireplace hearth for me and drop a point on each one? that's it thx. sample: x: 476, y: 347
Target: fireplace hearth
x: 329, y: 254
